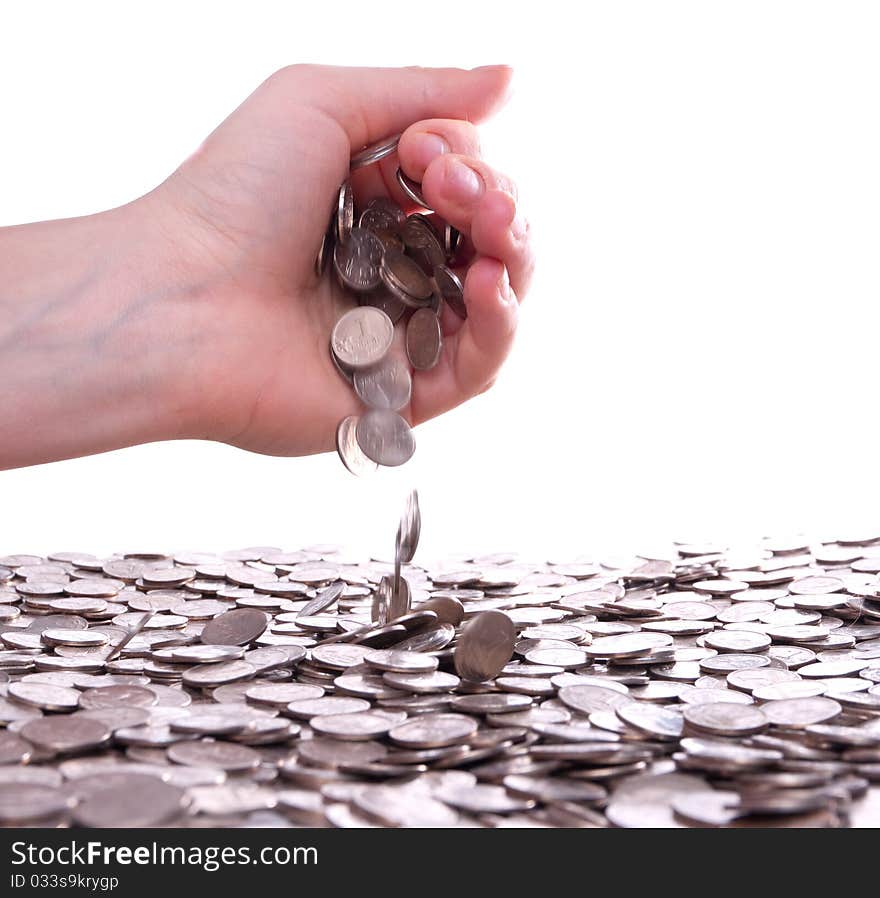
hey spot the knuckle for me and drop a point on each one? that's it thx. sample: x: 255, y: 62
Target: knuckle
x: 296, y: 74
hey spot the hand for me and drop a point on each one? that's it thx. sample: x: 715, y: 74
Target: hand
x: 244, y: 216
x: 194, y: 311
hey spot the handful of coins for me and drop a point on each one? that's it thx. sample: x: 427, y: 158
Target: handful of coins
x: 399, y: 268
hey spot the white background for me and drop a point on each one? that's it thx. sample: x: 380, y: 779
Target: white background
x: 698, y: 357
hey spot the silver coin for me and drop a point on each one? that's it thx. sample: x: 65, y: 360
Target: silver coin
x: 801, y: 712
x: 382, y: 215
x: 429, y: 682
x: 237, y: 627
x: 451, y: 289
x: 362, y: 337
x: 280, y: 695
x: 329, y: 704
x: 206, y: 675
x: 344, y: 212
x: 358, y: 726
x: 661, y: 723
x: 375, y: 152
x: 324, y: 752
x: 490, y: 703
x: 387, y: 385
x: 630, y: 645
x: 222, y: 755
x: 725, y: 719
x: 400, y: 662
x: 788, y: 689
x: 68, y: 734
x: 485, y: 646
x: 412, y: 189
x: 737, y: 641
x: 45, y: 696
x: 434, y: 731
x: 385, y: 438
x: 586, y: 699
x: 24, y: 803
x: 750, y: 680
x: 357, y: 260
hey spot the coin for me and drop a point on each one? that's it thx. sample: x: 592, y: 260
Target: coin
x: 23, y: 803
x: 357, y: 726
x: 44, y: 695
x: 587, y: 698
x: 357, y: 260
x: 411, y: 188
x: 324, y: 752
x: 222, y: 755
x: 362, y: 337
x: 750, y: 680
x: 491, y: 703
x: 429, y: 682
x: 801, y: 712
x: 404, y: 278
x: 237, y: 627
x: 112, y: 696
x: 382, y: 214
x: 725, y: 719
x: 400, y: 807
x: 349, y: 451
x: 662, y: 723
x: 330, y: 704
x: 137, y: 800
x: 434, y: 731
x: 374, y: 153
x: 217, y: 674
x: 65, y: 735
x: 451, y: 290
x: 737, y: 641
x: 385, y: 438
x: 386, y: 385
x: 422, y: 241
x: 629, y: 645
x: 401, y: 662
x: 344, y: 212
x: 485, y: 646
x: 424, y: 342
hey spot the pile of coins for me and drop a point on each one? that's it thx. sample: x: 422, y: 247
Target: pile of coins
x: 704, y: 687
x: 399, y: 269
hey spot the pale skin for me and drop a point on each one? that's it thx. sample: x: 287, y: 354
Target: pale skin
x: 194, y: 311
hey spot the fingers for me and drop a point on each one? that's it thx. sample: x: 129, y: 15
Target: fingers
x: 472, y: 357
x: 424, y: 141
x: 419, y: 145
x: 481, y: 203
x: 453, y: 184
x: 372, y: 103
x: 499, y: 230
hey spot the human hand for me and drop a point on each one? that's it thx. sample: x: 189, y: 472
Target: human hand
x: 244, y: 216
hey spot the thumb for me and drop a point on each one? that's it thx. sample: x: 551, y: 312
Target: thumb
x: 372, y: 103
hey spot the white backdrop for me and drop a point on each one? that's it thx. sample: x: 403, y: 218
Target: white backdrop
x: 698, y: 355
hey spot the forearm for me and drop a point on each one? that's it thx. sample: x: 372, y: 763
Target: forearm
x: 91, y: 340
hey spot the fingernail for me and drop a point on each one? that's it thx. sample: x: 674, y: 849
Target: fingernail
x: 463, y: 181
x: 426, y: 147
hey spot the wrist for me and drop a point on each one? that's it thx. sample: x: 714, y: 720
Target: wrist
x: 95, y: 333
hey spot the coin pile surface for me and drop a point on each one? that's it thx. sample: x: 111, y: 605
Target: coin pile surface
x: 267, y: 687
x: 399, y: 267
